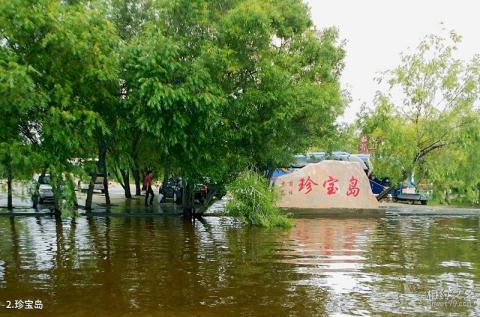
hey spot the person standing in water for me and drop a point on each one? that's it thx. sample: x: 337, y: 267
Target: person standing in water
x: 147, y: 182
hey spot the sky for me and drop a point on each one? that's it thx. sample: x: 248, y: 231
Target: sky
x: 377, y: 31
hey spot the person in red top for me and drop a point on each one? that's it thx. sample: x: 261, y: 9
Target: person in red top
x: 147, y: 183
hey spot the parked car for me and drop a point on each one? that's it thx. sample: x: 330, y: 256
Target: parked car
x: 44, y: 194
x: 200, y: 192
x: 174, y: 190
x: 368, y: 165
x: 402, y: 194
x: 98, y: 185
x: 363, y: 160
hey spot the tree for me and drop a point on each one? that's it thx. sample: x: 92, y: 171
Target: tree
x: 281, y: 79
x: 225, y: 85
x: 69, y: 50
x: 206, y: 87
x: 454, y: 172
x: 130, y: 16
x: 20, y: 98
x: 429, y: 108
x: 131, y: 148
x: 342, y: 137
x: 171, y: 98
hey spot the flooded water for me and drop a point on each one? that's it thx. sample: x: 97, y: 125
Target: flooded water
x: 164, y: 266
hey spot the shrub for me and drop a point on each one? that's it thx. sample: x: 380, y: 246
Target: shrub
x: 254, y: 202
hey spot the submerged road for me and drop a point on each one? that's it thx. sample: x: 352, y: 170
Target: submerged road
x: 135, y: 208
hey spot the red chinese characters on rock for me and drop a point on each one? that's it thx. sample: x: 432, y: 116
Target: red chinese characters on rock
x: 331, y: 185
x: 306, y: 184
x: 353, y: 189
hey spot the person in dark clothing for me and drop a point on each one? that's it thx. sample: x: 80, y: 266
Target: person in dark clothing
x: 147, y: 182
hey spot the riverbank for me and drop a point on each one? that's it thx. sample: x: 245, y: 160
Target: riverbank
x: 427, y: 210
x: 135, y: 207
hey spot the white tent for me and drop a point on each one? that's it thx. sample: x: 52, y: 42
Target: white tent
x: 327, y: 184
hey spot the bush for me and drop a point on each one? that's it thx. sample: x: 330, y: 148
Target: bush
x: 254, y: 202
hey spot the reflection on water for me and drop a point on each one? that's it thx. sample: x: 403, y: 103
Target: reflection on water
x: 163, y: 266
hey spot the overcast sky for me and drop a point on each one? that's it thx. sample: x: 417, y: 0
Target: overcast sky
x: 376, y: 32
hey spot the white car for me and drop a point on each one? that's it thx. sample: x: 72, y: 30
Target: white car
x: 97, y: 186
x: 45, y: 192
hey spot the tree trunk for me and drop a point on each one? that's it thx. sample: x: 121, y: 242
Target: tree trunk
x: 187, y: 200
x: 57, y: 194
x: 91, y: 185
x: 478, y: 200
x: 135, y: 169
x: 126, y: 183
x: 9, y: 190
x: 56, y: 207
x: 105, y: 188
x: 9, y: 183
x: 102, y: 166
x: 136, y: 176
x: 119, y: 176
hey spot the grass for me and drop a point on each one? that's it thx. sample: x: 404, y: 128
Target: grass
x: 255, y: 203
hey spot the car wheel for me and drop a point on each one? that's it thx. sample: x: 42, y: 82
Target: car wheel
x: 40, y: 200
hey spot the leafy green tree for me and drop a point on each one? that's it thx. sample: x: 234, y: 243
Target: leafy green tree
x: 20, y: 99
x: 454, y: 172
x: 281, y: 79
x: 130, y: 16
x: 342, y: 137
x: 204, y: 87
x: 133, y: 152
x: 423, y: 123
x: 69, y: 50
x: 225, y: 85
x: 171, y: 98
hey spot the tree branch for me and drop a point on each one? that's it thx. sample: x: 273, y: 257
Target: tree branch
x: 428, y: 149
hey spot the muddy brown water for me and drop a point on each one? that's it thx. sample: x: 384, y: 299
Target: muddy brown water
x: 164, y: 266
